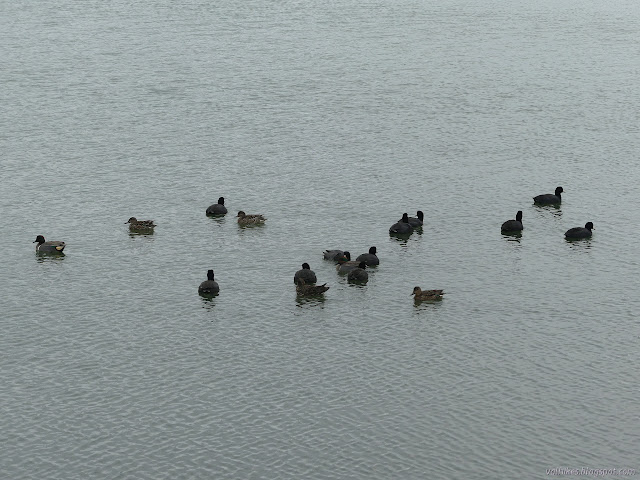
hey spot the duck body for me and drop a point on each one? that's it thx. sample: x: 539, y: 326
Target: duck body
x: 345, y: 264
x: 209, y: 286
x: 217, y: 208
x: 135, y: 224
x: 53, y: 246
x: 579, y: 232
x: 513, y: 225
x: 402, y: 227
x: 418, y: 220
x: 358, y: 274
x: 549, y: 198
x: 244, y: 219
x: 305, y: 274
x: 303, y: 289
x: 333, y: 254
x: 370, y: 258
x: 422, y: 295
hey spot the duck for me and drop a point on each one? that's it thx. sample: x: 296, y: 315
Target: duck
x: 513, y: 225
x: 421, y: 295
x: 303, y: 289
x: 579, y: 232
x: 417, y: 222
x: 345, y: 264
x: 333, y: 254
x: 209, y: 286
x: 369, y: 258
x: 52, y: 246
x: 548, y: 198
x: 306, y: 274
x: 135, y: 224
x: 244, y: 219
x: 358, y: 274
x: 401, y: 227
x: 217, y: 208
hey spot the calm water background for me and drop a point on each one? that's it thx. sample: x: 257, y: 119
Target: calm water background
x: 332, y: 119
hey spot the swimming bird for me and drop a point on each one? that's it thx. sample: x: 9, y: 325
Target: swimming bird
x: 421, y: 295
x: 48, y: 247
x: 306, y: 274
x: 333, y: 254
x: 579, y: 232
x: 345, y: 264
x: 244, y: 219
x: 358, y: 274
x: 369, y: 258
x: 209, y: 286
x: 303, y: 289
x: 402, y: 226
x: 417, y: 222
x: 513, y: 225
x: 135, y: 224
x: 548, y: 198
x: 217, y: 208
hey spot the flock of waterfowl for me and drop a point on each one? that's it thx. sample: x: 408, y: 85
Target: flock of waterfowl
x: 356, y: 270
x: 575, y: 233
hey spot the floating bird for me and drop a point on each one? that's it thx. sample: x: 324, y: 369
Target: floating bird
x: 209, y: 286
x: 417, y: 222
x: 513, y: 225
x: 358, y: 274
x: 421, y: 295
x: 306, y: 274
x: 135, y: 224
x: 401, y: 227
x: 244, y: 219
x: 579, y: 232
x: 303, y: 289
x: 217, y: 208
x: 48, y: 247
x: 333, y: 254
x: 345, y: 264
x: 369, y: 258
x: 548, y: 198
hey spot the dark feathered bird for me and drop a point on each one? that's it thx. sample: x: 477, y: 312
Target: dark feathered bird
x: 369, y: 258
x: 417, y: 222
x: 358, y: 274
x: 53, y: 246
x: 333, y: 254
x: 401, y: 227
x: 345, y: 264
x: 513, y: 225
x: 549, y: 198
x: 579, y: 232
x: 217, y: 208
x: 306, y: 274
x: 209, y: 286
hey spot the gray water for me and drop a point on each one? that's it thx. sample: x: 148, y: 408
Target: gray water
x: 331, y: 119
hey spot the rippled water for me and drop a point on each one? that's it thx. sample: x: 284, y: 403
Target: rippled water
x: 331, y: 119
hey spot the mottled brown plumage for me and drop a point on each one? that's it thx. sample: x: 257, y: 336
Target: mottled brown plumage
x: 244, y: 219
x: 303, y: 289
x: 421, y: 295
x: 135, y: 224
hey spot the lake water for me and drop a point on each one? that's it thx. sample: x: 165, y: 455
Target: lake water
x: 331, y: 119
